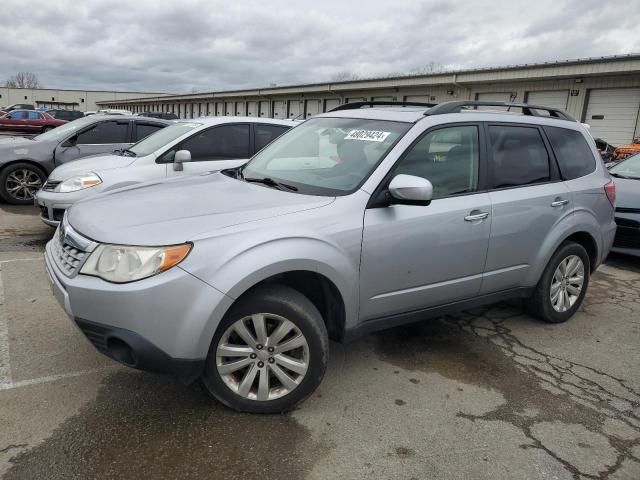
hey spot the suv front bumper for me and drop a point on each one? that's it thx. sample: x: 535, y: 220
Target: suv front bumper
x: 164, y: 323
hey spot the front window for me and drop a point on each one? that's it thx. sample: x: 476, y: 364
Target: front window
x: 64, y: 131
x: 161, y: 138
x: 630, y: 168
x: 326, y: 156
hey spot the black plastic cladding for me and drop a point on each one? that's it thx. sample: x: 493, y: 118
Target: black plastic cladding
x: 532, y: 110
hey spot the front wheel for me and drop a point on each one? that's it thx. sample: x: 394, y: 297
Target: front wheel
x: 19, y: 183
x: 563, y: 285
x: 269, y: 352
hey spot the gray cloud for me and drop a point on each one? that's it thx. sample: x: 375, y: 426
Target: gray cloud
x: 177, y: 46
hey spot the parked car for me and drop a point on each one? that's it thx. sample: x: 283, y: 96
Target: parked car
x: 346, y: 224
x: 627, y: 178
x: 19, y: 106
x: 67, y: 115
x: 211, y: 144
x: 164, y: 115
x: 25, y: 163
x: 114, y: 111
x: 606, y: 150
x: 28, y: 121
x: 89, y: 112
x: 625, y: 151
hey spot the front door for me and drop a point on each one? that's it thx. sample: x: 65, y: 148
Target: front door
x: 415, y: 257
x: 101, y: 137
x: 216, y: 148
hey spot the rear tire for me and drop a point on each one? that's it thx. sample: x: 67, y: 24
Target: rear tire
x: 19, y: 183
x: 563, y: 285
x: 259, y: 385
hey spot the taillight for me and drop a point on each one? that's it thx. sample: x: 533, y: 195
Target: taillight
x: 610, y: 190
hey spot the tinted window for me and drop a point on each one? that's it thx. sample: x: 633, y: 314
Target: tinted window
x: 447, y: 157
x: 34, y: 116
x: 265, y: 134
x: 19, y: 115
x: 145, y: 129
x: 519, y: 156
x: 218, y: 143
x: 572, y: 151
x: 105, y: 132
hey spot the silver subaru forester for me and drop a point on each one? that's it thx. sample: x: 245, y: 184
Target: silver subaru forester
x: 359, y: 219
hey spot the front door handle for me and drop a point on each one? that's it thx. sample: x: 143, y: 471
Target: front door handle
x: 559, y: 203
x: 475, y: 216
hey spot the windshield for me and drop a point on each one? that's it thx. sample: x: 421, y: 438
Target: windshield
x: 161, y: 138
x: 326, y: 156
x: 63, y: 131
x: 630, y: 168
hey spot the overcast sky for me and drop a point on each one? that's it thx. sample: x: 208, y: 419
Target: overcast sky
x: 204, y: 45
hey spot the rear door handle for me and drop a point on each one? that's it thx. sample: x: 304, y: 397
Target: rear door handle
x: 559, y: 203
x: 476, y: 216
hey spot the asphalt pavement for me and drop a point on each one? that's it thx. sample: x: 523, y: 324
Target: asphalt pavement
x: 486, y: 394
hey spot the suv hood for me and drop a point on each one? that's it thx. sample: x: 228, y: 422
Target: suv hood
x: 183, y: 209
x: 90, y: 164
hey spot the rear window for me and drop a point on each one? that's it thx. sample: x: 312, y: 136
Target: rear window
x: 519, y: 156
x: 572, y: 151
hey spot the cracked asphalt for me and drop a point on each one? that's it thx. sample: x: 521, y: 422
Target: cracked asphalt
x: 485, y: 394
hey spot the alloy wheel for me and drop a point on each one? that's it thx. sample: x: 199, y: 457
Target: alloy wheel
x: 23, y: 184
x: 566, y: 284
x: 262, y: 357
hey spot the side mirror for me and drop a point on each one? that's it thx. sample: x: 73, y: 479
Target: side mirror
x: 180, y: 157
x: 411, y: 190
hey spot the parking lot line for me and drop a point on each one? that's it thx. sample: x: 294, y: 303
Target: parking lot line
x: 53, y: 378
x: 5, y: 366
x: 20, y: 260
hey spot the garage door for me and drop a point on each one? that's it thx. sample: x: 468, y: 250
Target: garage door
x: 229, y: 108
x: 280, y: 109
x: 295, y: 109
x: 549, y: 98
x: 493, y: 97
x: 612, y: 114
x: 265, y: 111
x: 252, y: 109
x: 418, y: 98
x: 331, y: 103
x: 313, y: 107
x: 219, y: 109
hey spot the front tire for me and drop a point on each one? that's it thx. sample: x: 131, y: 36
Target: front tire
x: 19, y: 183
x: 269, y: 353
x: 563, y: 284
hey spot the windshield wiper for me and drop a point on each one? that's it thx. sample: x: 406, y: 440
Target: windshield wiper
x: 628, y: 177
x: 270, y: 182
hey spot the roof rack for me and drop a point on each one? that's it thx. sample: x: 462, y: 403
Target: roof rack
x: 533, y: 110
x: 358, y: 105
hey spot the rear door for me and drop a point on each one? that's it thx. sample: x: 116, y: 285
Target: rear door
x: 104, y: 136
x: 264, y: 134
x: 35, y: 121
x: 528, y: 199
x: 144, y: 129
x: 216, y: 148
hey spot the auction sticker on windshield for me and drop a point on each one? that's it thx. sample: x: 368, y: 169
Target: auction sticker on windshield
x: 367, y: 135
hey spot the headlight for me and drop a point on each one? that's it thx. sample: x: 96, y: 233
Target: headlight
x: 121, y: 264
x: 79, y: 182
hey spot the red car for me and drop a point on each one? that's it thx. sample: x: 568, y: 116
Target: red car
x: 28, y: 121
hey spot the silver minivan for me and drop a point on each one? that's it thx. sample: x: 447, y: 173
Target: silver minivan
x: 356, y: 220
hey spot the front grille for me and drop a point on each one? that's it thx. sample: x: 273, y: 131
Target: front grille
x: 50, y: 185
x: 67, y: 257
x: 95, y: 334
x: 627, y: 237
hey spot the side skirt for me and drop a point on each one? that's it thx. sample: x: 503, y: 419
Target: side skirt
x: 414, y: 316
